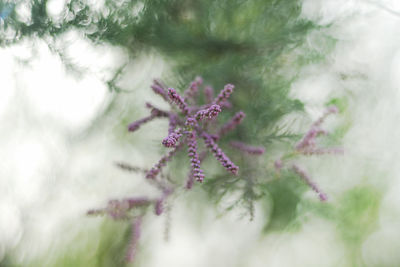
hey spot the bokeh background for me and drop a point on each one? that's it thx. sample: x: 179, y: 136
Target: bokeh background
x: 74, y: 74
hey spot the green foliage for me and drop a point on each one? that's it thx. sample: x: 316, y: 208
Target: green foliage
x: 284, y: 196
x: 357, y: 214
x: 106, y: 249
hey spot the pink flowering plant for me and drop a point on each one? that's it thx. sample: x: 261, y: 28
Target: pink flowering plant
x: 194, y: 127
x: 308, y: 146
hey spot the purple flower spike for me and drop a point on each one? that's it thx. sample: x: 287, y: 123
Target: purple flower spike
x: 153, y: 172
x: 198, y: 80
x: 173, y: 122
x: 224, y: 94
x: 253, y: 150
x: 194, y: 157
x: 323, y: 197
x: 306, y: 178
x: 172, y: 139
x: 117, y: 209
x: 209, y: 113
x: 209, y: 94
x: 137, y: 202
x: 159, y: 206
x: 191, y: 122
x: 230, y: 125
x: 177, y: 99
x: 307, y: 146
x: 332, y: 109
x: 329, y: 110
x: 132, y: 248
x: 322, y: 151
x: 136, y: 124
x: 220, y: 155
x: 226, y: 104
x: 127, y: 167
x: 159, y: 203
x: 190, y: 180
x: 308, y: 140
x: 159, y: 89
x: 278, y: 164
x: 95, y: 212
x: 193, y: 89
x: 156, y: 112
x: 213, y: 111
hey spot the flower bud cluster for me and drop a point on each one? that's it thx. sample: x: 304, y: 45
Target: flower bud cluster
x: 190, y: 123
x: 193, y: 89
x: 153, y: 172
x: 172, y: 138
x: 194, y: 157
x: 224, y: 94
x: 159, y: 89
x: 220, y: 155
x: 160, y: 202
x: 177, y: 99
x: 187, y: 123
x: 303, y: 175
x: 230, y: 125
x: 209, y: 113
